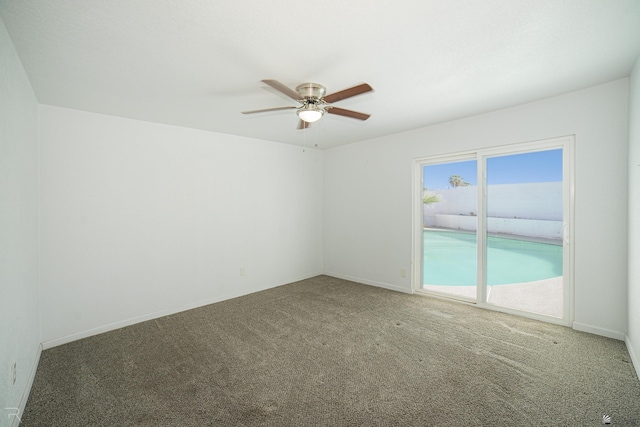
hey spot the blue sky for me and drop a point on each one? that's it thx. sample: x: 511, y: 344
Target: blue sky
x: 540, y: 166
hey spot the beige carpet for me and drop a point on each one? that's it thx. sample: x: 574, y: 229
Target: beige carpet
x: 327, y: 352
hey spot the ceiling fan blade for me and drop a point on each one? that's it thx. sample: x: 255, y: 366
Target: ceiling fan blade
x: 302, y: 124
x: 282, y: 88
x: 268, y: 109
x: 348, y: 93
x: 348, y: 113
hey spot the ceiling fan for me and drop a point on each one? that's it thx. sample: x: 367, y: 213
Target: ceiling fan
x: 314, y: 102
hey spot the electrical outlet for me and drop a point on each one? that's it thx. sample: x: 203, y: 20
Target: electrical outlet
x: 242, y: 271
x: 14, y: 371
x: 403, y: 272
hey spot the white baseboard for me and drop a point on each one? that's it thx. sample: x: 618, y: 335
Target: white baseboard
x: 161, y: 313
x: 634, y: 357
x: 371, y: 282
x: 598, y: 331
x: 27, y: 391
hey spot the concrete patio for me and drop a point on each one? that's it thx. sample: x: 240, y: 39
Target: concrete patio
x: 542, y: 296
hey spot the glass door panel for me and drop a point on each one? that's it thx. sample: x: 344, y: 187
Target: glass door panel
x: 449, y: 227
x: 524, y: 232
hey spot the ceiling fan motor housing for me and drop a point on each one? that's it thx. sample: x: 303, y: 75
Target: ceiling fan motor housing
x: 311, y: 90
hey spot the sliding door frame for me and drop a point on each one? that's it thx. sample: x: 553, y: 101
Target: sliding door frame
x: 567, y: 144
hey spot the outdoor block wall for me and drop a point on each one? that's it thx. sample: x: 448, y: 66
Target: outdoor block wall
x: 530, y: 209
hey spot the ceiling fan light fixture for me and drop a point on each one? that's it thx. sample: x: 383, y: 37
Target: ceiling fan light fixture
x: 310, y: 113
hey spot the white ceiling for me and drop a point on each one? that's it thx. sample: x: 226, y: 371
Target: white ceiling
x: 198, y: 63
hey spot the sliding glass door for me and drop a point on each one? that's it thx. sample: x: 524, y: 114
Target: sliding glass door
x: 495, y: 228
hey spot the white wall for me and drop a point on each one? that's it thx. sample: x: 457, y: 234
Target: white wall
x: 531, y: 209
x: 368, y: 206
x: 633, y: 337
x: 551, y: 230
x: 530, y: 200
x: 19, y: 310
x: 141, y: 219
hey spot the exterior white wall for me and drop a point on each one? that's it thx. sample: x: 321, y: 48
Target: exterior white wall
x: 551, y: 230
x: 528, y: 209
x: 368, y: 195
x: 461, y: 200
x: 19, y: 309
x: 533, y: 200
x: 633, y: 336
x: 141, y: 219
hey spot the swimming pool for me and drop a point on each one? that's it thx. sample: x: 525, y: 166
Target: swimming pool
x: 450, y: 260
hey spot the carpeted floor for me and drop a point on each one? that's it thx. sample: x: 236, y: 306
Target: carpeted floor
x: 328, y: 352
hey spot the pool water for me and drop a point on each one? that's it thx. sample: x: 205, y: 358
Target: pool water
x: 450, y: 260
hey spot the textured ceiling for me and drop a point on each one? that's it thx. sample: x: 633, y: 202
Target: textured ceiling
x: 198, y: 63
